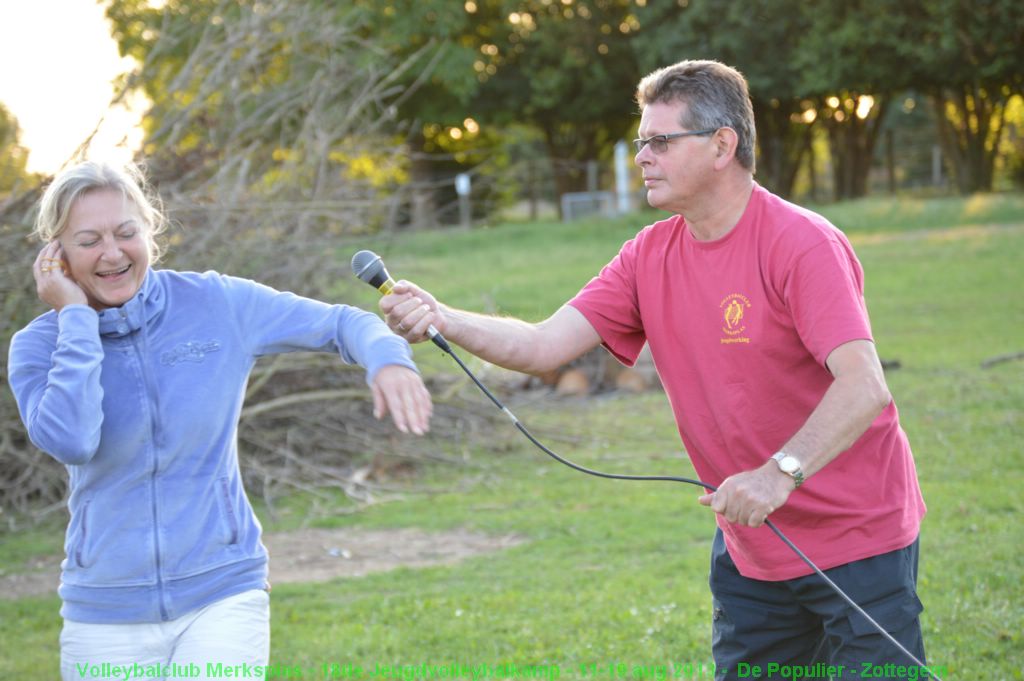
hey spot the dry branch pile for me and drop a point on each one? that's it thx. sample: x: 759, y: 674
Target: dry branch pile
x: 254, y: 146
x: 26, y: 475
x: 307, y: 424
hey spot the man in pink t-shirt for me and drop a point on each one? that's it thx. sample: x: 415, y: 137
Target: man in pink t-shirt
x: 754, y: 312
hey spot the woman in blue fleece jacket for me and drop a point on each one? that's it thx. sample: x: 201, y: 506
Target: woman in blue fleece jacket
x: 135, y: 381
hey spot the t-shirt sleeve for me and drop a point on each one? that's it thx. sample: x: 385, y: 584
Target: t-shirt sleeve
x: 825, y: 293
x: 610, y: 304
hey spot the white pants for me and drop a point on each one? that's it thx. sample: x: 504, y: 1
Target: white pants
x: 198, y: 645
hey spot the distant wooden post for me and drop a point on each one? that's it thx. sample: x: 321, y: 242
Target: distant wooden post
x: 463, y: 186
x: 890, y: 161
x: 623, y: 204
x: 531, y: 183
x: 591, y: 176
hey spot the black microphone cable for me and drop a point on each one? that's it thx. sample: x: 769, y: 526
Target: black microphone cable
x: 671, y: 478
x: 368, y: 267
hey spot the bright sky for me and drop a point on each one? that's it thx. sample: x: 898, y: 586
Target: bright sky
x: 57, y: 61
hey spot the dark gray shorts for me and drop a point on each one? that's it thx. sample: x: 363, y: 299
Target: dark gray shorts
x: 802, y: 627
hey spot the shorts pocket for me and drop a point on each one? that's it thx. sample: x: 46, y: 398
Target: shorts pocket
x: 893, y: 613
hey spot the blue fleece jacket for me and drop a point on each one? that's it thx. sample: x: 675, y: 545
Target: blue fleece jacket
x: 141, y: 403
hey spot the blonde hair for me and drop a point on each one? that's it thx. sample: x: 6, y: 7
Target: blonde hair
x: 715, y: 95
x: 91, y: 176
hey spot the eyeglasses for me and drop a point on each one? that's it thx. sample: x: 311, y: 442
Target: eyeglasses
x: 659, y: 143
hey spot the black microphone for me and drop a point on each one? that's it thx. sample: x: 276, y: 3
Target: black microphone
x: 368, y: 267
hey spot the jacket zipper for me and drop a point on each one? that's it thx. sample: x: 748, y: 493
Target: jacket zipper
x: 151, y: 391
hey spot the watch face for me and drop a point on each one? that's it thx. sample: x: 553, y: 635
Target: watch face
x: 789, y: 465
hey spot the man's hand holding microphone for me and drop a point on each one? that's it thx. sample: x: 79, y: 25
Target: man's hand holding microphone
x: 410, y: 312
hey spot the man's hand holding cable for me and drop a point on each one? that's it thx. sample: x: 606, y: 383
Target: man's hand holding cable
x: 409, y: 310
x: 748, y: 498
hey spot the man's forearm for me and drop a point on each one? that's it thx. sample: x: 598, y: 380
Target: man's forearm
x: 505, y: 341
x: 518, y: 345
x: 511, y: 343
x: 855, y: 398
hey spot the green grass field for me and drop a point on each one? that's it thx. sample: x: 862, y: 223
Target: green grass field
x: 615, y: 573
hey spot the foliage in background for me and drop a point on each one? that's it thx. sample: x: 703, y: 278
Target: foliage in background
x: 970, y: 59
x: 838, y: 65
x: 1010, y: 159
x: 848, y: 58
x: 14, y: 175
x: 266, y: 111
x: 568, y: 70
x: 841, y: 64
x: 565, y: 69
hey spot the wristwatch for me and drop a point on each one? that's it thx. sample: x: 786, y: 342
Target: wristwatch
x: 790, y: 466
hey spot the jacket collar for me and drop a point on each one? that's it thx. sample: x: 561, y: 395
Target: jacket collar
x: 138, y: 312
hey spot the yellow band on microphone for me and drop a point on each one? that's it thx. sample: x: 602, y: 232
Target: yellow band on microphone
x: 386, y: 287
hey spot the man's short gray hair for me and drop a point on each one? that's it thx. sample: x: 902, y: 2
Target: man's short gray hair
x: 715, y: 95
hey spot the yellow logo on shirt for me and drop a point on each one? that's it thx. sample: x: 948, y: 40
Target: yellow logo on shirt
x: 734, y: 307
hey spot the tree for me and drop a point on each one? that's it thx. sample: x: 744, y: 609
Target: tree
x: 855, y: 58
x: 565, y: 68
x: 839, y: 65
x: 20, y: 191
x: 568, y: 69
x: 274, y: 111
x: 437, y: 90
x: 13, y: 157
x: 975, y: 64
